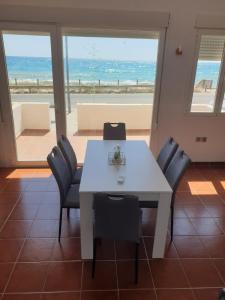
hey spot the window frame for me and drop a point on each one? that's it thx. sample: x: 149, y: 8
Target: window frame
x: 220, y: 89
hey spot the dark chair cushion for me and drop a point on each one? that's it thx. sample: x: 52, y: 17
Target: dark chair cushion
x: 72, y: 197
x: 77, y: 176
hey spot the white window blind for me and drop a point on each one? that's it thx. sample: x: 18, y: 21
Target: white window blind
x: 211, y: 47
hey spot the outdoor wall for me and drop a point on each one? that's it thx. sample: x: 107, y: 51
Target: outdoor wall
x: 30, y: 116
x: 136, y: 116
x: 172, y: 117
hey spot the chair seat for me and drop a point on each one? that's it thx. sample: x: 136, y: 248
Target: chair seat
x: 148, y: 204
x: 77, y: 176
x: 72, y: 198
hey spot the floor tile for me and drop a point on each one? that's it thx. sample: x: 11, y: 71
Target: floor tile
x: 149, y: 221
x: 182, y: 294
x: 206, y: 294
x: 190, y: 247
x: 9, y: 197
x: 183, y: 186
x: 202, y: 273
x: 216, y: 211
x: 61, y: 296
x: 105, y: 250
x: 168, y: 274
x: 52, y: 186
x: 28, y: 277
x: 3, y: 184
x: 186, y: 198
x: 206, y: 226
x: 27, y: 296
x: 199, y: 233
x: 37, y: 186
x: 71, y: 228
x: 67, y: 249
x: 5, y: 210
x: 37, y: 250
x: 32, y: 197
x: 202, y: 187
x: 220, y: 265
x: 125, y: 271
x: 16, y: 229
x: 170, y: 251
x: 136, y: 295
x: 105, y: 276
x: 50, y: 198
x: 215, y: 245
x: 100, y: 295
x: 179, y: 212
x: 16, y: 185
x: 126, y: 250
x: 9, y: 249
x: 48, y: 212
x: 220, y: 222
x: 44, y: 229
x: 184, y: 227
x: 6, y: 269
x: 24, y: 211
x: 196, y: 211
x: 64, y: 276
x: 209, y: 200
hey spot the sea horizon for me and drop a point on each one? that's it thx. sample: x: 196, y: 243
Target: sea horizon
x: 31, y: 69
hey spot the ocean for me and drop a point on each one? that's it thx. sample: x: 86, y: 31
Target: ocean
x: 89, y: 71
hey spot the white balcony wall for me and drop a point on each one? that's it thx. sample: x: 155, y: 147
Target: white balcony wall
x: 30, y: 116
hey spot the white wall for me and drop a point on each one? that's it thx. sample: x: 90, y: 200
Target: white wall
x: 176, y: 70
x: 136, y: 116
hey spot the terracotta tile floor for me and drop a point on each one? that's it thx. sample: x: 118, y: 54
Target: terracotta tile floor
x: 34, y: 266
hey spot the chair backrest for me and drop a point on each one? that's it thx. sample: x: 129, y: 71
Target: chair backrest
x: 68, y: 153
x: 117, y: 217
x: 114, y: 131
x: 166, y: 153
x: 60, y: 171
x: 176, y: 168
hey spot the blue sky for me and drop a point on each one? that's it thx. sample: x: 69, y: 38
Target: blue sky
x: 83, y: 47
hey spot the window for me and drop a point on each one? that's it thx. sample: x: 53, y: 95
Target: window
x: 206, y: 96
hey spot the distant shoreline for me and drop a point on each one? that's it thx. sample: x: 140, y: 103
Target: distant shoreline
x: 30, y: 70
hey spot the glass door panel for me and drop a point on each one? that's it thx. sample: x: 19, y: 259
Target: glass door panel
x: 29, y: 66
x: 108, y: 79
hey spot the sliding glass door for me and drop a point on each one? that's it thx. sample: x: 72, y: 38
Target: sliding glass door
x: 57, y: 81
x: 32, y: 94
x: 109, y: 79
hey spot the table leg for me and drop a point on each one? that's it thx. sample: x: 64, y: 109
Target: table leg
x: 86, y: 225
x: 163, y: 214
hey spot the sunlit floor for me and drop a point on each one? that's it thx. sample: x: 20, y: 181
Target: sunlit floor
x: 36, y: 144
x: 33, y: 265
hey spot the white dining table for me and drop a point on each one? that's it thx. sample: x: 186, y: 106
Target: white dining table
x: 142, y: 177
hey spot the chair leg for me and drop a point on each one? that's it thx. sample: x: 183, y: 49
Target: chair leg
x: 60, y: 223
x: 68, y: 212
x: 136, y: 262
x: 171, y: 220
x: 94, y: 257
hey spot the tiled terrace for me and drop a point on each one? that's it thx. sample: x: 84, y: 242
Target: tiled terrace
x: 35, y: 145
x: 34, y: 266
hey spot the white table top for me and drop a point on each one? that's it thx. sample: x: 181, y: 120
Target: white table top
x: 141, y: 172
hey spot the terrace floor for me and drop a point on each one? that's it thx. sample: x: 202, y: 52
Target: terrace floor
x: 34, y: 266
x: 36, y: 144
